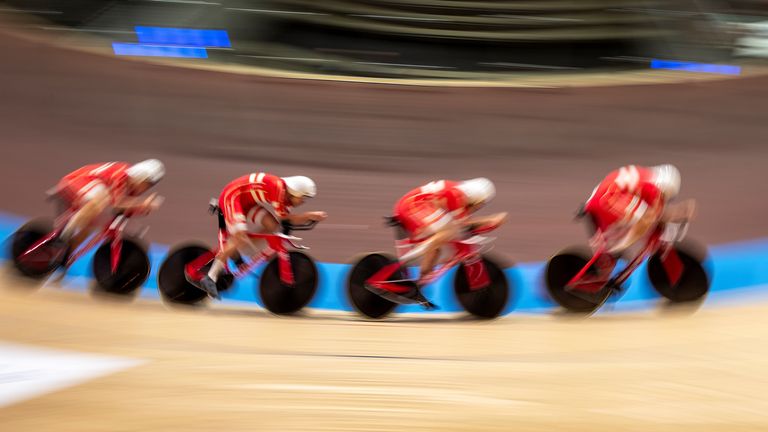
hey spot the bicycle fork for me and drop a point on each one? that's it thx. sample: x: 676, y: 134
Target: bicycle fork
x: 476, y: 272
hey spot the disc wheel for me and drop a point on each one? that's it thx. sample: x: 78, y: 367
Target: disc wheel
x: 171, y: 281
x: 487, y: 302
x: 560, y: 270
x: 282, y: 299
x: 132, y: 268
x: 364, y: 301
x: 45, y: 259
x: 693, y: 283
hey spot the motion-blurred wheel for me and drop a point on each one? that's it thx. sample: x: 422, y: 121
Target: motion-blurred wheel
x: 132, y: 268
x: 561, y: 269
x: 172, y: 282
x: 693, y: 283
x: 487, y: 302
x: 364, y: 301
x: 44, y: 259
x: 282, y: 299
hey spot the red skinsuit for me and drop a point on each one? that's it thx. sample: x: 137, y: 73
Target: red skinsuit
x: 629, y: 190
x: 250, y: 197
x: 425, y: 209
x: 76, y: 186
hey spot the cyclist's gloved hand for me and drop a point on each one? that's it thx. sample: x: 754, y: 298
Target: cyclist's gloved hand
x: 317, y: 216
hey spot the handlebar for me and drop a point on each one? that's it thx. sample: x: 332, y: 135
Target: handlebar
x: 131, y: 212
x: 288, y: 226
x: 580, y: 212
x: 137, y: 211
x: 478, y: 229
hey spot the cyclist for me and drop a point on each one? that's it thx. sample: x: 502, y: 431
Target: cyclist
x: 91, y: 190
x: 631, y: 201
x: 436, y: 214
x: 258, y: 202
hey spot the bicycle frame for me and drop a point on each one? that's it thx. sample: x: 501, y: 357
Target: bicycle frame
x: 605, y: 264
x: 112, y: 232
x: 276, y: 244
x: 467, y: 251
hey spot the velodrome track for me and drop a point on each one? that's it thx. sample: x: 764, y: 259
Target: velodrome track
x: 243, y: 370
x: 238, y: 369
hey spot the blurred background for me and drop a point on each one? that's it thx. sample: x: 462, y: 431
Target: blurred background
x: 206, y: 96
x: 423, y: 38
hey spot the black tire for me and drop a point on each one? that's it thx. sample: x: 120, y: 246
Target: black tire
x: 488, y: 302
x: 363, y: 301
x: 132, y: 269
x: 560, y: 270
x: 172, y: 283
x: 694, y: 282
x: 281, y: 299
x: 45, y: 260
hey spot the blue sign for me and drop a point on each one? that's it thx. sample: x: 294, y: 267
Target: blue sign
x: 143, y: 50
x: 696, y: 67
x: 182, y: 36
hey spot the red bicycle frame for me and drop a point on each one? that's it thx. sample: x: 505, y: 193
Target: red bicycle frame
x: 111, y: 232
x: 605, y: 263
x: 276, y: 244
x: 466, y: 251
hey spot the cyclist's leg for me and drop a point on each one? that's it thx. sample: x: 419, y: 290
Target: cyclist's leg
x: 446, y: 229
x: 675, y: 218
x: 268, y: 222
x: 232, y: 209
x: 440, y: 238
x: 234, y: 243
x: 263, y: 221
x: 639, y: 229
x: 434, y: 234
x: 422, y: 221
x: 606, y: 227
x: 239, y: 241
x: 91, y: 201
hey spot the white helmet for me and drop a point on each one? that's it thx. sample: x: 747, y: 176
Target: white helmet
x: 300, y: 186
x: 667, y: 179
x: 478, y: 190
x: 150, y: 170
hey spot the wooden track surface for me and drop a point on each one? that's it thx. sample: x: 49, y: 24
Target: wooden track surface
x: 243, y: 370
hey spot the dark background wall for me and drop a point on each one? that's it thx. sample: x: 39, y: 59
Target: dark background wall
x: 431, y: 38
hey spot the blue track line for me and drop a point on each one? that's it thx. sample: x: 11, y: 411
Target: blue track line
x: 738, y: 267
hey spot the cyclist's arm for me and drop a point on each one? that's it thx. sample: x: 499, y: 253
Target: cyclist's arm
x: 136, y: 204
x: 473, y: 223
x: 639, y: 221
x: 303, y: 218
x: 646, y: 206
x: 682, y: 211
